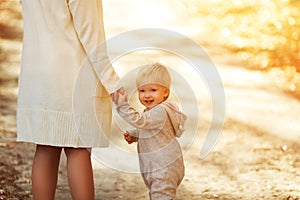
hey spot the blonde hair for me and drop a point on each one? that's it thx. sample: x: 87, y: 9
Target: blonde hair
x: 153, y: 73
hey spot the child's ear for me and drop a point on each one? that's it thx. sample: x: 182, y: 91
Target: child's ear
x: 167, y: 92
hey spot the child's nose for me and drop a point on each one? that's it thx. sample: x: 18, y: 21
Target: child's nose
x: 147, y: 94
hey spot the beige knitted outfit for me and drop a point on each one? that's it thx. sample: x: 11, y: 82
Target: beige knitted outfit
x: 160, y: 155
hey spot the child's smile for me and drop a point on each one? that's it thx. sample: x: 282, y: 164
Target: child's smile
x: 152, y: 94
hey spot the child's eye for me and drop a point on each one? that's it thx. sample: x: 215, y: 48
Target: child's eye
x: 153, y: 90
x: 141, y: 90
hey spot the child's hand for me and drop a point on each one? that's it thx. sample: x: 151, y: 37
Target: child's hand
x: 130, y: 139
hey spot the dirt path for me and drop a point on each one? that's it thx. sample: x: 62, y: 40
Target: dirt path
x: 256, y: 157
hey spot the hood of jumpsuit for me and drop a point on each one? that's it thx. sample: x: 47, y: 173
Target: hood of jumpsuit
x: 177, y: 118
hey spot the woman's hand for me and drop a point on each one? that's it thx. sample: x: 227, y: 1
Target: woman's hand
x: 119, y: 96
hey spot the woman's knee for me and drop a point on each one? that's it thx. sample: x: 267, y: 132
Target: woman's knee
x: 77, y: 152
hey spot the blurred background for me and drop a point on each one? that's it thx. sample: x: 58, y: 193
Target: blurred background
x: 254, y: 44
x: 254, y: 34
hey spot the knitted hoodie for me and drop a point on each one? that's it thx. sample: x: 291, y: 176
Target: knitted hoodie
x: 156, y: 129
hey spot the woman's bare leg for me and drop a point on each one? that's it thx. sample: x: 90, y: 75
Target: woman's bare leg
x: 45, y: 171
x: 80, y: 173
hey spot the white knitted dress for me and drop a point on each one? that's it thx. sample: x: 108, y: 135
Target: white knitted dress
x: 65, y: 77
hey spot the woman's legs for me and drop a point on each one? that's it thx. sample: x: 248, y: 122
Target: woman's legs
x: 45, y: 172
x: 80, y: 173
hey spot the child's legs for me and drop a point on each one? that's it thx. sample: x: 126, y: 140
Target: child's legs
x: 164, y: 183
x: 45, y: 171
x: 163, y: 190
x: 80, y: 173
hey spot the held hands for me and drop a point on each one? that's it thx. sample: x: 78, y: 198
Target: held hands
x: 119, y: 96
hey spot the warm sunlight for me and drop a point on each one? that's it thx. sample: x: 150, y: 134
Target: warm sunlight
x: 251, y: 45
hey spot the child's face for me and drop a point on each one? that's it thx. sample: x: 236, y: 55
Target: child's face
x: 152, y: 94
